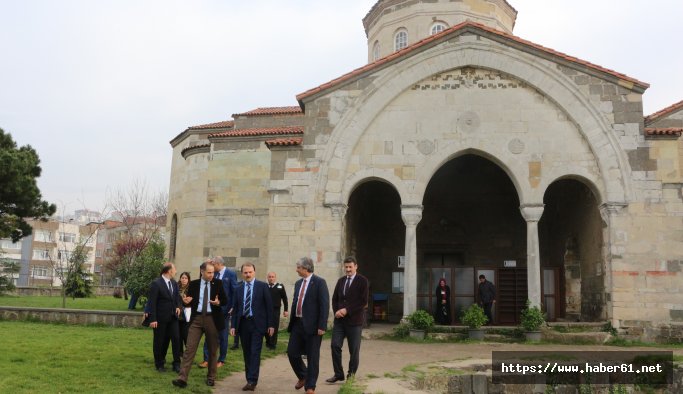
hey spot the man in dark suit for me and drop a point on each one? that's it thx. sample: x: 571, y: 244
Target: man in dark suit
x: 164, y: 309
x: 252, y: 318
x: 229, y: 281
x: 349, y: 300
x: 307, y: 325
x: 205, y: 296
x: 279, y: 296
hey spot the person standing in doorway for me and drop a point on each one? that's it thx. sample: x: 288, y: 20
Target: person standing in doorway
x: 251, y: 320
x: 307, y: 325
x: 487, y: 296
x: 164, y: 309
x: 279, y: 297
x: 443, y: 303
x: 349, y: 300
x: 206, y: 296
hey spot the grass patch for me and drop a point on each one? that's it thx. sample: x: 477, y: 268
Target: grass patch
x: 350, y: 386
x: 57, y: 358
x: 102, y: 303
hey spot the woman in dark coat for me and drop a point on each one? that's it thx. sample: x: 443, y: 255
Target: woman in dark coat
x: 443, y: 303
x: 184, y: 325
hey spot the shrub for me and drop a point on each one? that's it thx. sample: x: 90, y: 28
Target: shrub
x: 532, y: 318
x: 402, y: 330
x: 421, y: 320
x: 474, y: 317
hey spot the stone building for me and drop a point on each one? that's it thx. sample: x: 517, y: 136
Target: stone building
x: 460, y: 149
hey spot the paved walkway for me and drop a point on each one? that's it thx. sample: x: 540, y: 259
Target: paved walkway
x: 382, y: 363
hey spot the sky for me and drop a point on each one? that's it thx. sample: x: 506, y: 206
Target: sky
x: 100, y: 87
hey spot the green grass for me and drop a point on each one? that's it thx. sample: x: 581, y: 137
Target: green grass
x: 103, y: 303
x: 60, y: 358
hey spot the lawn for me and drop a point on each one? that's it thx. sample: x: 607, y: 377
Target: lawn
x: 102, y: 303
x: 58, y: 358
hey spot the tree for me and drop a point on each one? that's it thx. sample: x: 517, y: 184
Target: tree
x: 146, y: 268
x: 79, y: 282
x: 20, y: 197
x: 8, y: 269
x: 141, y: 215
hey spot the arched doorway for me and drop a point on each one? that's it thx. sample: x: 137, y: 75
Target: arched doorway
x: 570, y: 235
x: 375, y: 234
x: 471, y: 225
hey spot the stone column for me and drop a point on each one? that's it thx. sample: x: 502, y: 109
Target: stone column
x: 338, y: 211
x: 411, y: 215
x: 608, y: 211
x: 532, y: 214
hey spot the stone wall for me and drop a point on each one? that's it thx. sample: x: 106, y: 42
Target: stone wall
x: 100, y: 291
x: 72, y: 316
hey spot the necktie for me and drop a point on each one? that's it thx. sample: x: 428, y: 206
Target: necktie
x: 348, y: 283
x: 302, y: 291
x: 247, y: 301
x: 170, y: 288
x: 217, y: 276
x: 206, y: 298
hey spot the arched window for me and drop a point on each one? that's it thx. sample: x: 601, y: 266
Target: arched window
x: 375, y: 51
x: 172, y: 241
x: 400, y: 40
x: 438, y: 27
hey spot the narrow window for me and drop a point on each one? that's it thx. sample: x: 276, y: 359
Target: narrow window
x: 172, y: 243
x: 375, y: 51
x: 400, y: 40
x: 438, y: 27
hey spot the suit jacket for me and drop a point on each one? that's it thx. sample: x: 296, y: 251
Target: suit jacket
x: 229, y: 280
x: 161, y: 305
x: 355, y: 301
x: 316, y: 305
x: 261, y: 306
x: 216, y: 288
x: 279, y: 296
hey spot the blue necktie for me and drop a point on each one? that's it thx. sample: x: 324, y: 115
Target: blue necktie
x: 218, y: 276
x: 247, y: 301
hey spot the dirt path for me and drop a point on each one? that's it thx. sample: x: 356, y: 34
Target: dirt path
x: 382, y: 362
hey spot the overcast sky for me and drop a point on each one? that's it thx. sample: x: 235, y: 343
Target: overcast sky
x: 99, y: 87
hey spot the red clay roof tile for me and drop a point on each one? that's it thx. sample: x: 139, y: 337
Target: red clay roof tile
x: 655, y: 131
x: 265, y: 111
x: 284, y: 142
x: 672, y: 108
x: 217, y: 125
x: 259, y: 131
x: 462, y: 27
x: 206, y: 147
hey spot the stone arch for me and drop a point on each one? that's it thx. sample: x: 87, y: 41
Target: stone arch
x: 576, y: 173
x: 549, y: 81
x: 373, y: 174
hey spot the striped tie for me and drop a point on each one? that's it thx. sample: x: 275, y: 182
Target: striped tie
x: 247, y: 301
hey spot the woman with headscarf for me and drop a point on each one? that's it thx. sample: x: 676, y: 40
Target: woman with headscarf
x: 443, y: 303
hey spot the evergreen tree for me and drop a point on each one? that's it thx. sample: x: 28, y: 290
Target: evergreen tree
x: 79, y: 281
x: 7, y: 270
x: 19, y: 195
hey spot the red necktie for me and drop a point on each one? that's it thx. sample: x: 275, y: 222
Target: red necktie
x: 301, y: 299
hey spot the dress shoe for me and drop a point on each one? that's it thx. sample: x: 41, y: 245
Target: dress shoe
x: 220, y: 364
x: 249, y: 387
x: 310, y: 391
x: 235, y: 347
x: 176, y: 368
x: 210, y: 382
x: 203, y: 364
x: 334, y: 379
x: 180, y: 383
x: 300, y: 384
x: 161, y: 369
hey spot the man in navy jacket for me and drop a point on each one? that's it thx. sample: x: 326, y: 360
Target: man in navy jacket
x: 164, y: 308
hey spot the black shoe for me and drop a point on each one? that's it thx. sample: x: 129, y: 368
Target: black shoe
x: 235, y: 347
x: 249, y: 387
x: 210, y: 382
x: 161, y: 369
x: 335, y: 379
x: 176, y: 368
x: 180, y: 383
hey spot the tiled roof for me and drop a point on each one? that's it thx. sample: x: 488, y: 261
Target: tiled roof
x: 663, y: 131
x: 217, y: 125
x: 461, y: 28
x: 665, y: 111
x: 261, y: 131
x: 284, y: 142
x: 190, y: 149
x: 265, y: 111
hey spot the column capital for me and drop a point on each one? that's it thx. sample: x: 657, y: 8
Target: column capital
x: 411, y: 214
x: 338, y: 209
x: 532, y: 212
x: 611, y: 208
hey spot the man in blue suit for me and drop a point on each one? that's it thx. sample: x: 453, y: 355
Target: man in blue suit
x: 252, y: 318
x: 229, y: 280
x: 307, y: 324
